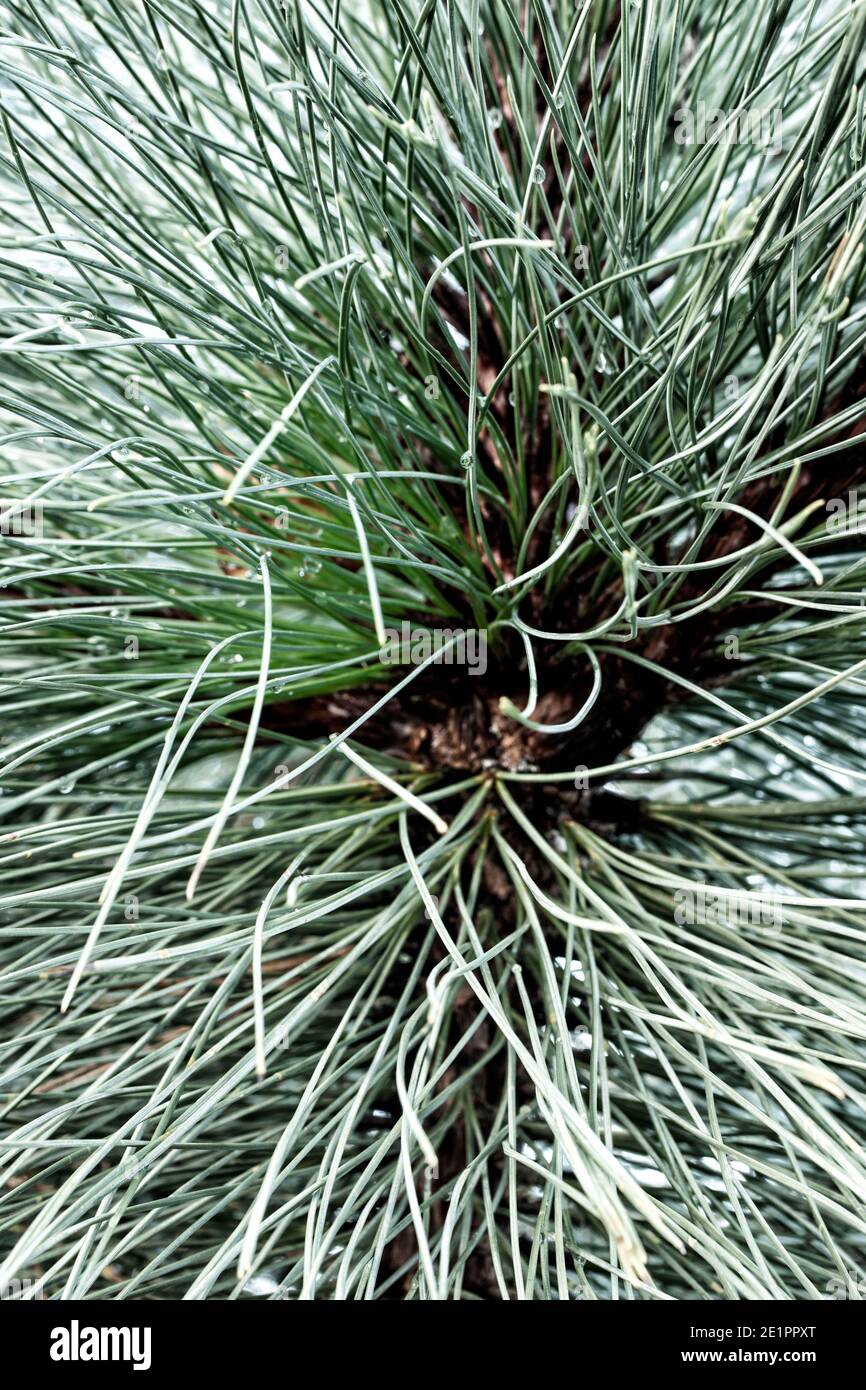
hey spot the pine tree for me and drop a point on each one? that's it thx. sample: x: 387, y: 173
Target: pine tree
x: 433, y: 822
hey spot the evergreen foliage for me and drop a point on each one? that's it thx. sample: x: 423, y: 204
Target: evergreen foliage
x: 326, y: 976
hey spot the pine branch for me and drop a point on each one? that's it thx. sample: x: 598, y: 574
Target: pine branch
x: 330, y: 977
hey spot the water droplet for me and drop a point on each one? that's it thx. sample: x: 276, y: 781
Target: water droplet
x: 538, y: 174
x: 494, y: 119
x: 260, y: 1285
x: 466, y: 460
